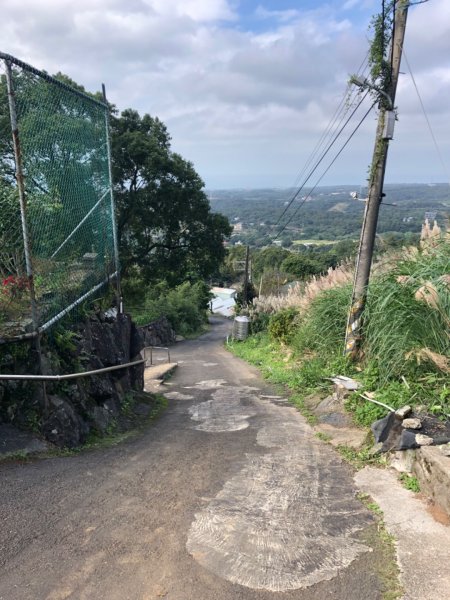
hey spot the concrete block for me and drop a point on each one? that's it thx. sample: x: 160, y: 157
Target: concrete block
x: 432, y: 469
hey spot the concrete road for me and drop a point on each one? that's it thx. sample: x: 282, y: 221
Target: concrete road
x: 227, y: 496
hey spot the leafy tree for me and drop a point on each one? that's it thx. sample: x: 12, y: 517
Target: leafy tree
x: 231, y: 269
x: 11, y: 243
x: 62, y: 140
x: 301, y: 266
x: 243, y: 299
x: 165, y: 225
x: 268, y: 259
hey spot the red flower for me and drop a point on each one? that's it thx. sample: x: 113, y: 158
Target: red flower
x: 15, y: 285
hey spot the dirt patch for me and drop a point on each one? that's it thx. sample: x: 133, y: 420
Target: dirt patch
x: 437, y: 512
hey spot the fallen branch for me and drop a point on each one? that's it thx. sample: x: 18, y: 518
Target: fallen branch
x: 376, y: 402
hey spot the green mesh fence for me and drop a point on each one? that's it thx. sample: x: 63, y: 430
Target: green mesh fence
x: 68, y: 217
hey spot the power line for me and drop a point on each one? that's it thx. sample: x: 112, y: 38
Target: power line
x: 345, y: 105
x: 311, y: 173
x: 328, y: 168
x: 441, y: 158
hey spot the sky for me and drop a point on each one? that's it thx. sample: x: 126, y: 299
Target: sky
x: 247, y: 87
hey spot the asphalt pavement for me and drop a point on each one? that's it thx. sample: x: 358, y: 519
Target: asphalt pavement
x: 228, y: 495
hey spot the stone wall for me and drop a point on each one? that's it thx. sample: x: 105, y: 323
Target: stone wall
x: 75, y: 408
x: 158, y: 333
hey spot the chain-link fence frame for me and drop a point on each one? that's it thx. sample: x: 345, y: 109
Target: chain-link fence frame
x: 58, y: 236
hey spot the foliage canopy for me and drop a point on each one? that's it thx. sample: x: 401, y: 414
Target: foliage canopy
x: 165, y: 225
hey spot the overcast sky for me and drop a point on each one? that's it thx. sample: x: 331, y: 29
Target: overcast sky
x: 246, y: 87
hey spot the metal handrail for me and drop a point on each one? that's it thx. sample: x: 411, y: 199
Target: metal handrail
x: 69, y: 375
x: 151, y: 348
x: 12, y: 376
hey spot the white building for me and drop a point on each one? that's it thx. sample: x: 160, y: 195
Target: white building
x: 224, y: 301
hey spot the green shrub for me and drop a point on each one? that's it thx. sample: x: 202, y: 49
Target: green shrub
x: 322, y: 328
x: 394, y: 394
x: 259, y: 322
x: 185, y: 306
x: 398, y: 324
x: 410, y: 482
x: 281, y: 324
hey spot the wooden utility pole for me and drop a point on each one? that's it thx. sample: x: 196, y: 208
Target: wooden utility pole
x: 375, y: 195
x: 245, y: 290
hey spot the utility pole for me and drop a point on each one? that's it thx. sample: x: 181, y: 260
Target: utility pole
x: 376, y: 181
x: 245, y: 290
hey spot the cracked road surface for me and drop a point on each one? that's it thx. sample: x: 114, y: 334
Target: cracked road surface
x: 228, y: 495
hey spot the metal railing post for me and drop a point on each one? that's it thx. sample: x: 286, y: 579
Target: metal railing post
x: 23, y: 215
x: 113, y: 214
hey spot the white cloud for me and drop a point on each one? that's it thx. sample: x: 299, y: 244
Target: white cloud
x: 361, y: 4
x: 198, y: 10
x: 223, y: 89
x: 280, y: 15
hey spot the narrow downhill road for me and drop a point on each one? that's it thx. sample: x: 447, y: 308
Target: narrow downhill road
x: 228, y: 495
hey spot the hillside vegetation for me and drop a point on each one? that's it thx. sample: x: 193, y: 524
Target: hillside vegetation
x: 329, y: 213
x: 299, y: 337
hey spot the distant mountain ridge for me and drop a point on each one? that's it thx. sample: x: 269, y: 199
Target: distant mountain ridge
x: 330, y: 212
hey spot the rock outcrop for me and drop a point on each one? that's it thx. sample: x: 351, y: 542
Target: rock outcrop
x: 158, y: 333
x: 77, y: 407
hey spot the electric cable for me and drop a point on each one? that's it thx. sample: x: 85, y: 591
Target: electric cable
x: 439, y: 153
x: 345, y: 105
x: 330, y: 145
x: 346, y: 102
x: 328, y: 168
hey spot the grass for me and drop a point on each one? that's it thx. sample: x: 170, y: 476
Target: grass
x: 408, y: 314
x: 299, y: 402
x: 360, y: 458
x: 17, y: 456
x: 406, y: 351
x: 385, y: 557
x: 410, y: 482
x: 324, y: 437
x: 278, y: 366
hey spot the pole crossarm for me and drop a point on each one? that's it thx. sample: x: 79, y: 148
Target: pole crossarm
x: 365, y: 84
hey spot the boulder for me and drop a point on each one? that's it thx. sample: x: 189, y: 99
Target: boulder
x: 101, y: 418
x: 158, y: 333
x: 392, y: 435
x: 404, y: 411
x: 423, y: 440
x: 105, y: 339
x: 63, y: 426
x: 412, y: 423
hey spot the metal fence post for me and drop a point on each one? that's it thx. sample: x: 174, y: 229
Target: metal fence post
x: 23, y: 214
x: 113, y: 215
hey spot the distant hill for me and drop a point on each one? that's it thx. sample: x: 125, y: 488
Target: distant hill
x: 329, y: 213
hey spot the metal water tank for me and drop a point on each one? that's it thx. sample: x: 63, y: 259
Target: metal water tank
x: 240, y: 328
